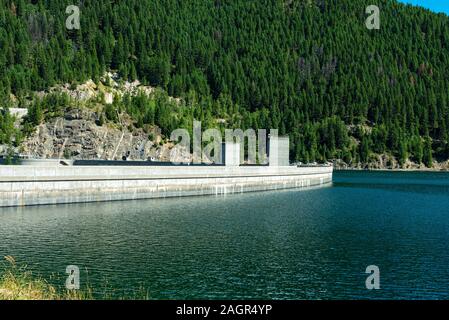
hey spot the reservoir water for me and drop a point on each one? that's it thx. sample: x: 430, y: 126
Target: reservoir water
x: 292, y: 244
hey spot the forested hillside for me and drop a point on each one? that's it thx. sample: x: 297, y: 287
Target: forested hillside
x: 308, y: 67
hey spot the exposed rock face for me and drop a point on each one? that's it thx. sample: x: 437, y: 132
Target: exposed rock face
x: 89, y: 90
x: 77, y: 135
x: 387, y: 162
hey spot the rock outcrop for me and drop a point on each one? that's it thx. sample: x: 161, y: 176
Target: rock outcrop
x: 78, y: 135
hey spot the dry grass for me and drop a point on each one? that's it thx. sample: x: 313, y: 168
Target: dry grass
x: 17, y: 283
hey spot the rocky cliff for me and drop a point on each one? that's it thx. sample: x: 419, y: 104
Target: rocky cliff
x: 82, y: 133
x: 78, y: 135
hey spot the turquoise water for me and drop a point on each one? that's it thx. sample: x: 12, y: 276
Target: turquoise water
x: 313, y: 244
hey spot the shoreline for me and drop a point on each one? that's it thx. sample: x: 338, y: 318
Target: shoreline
x: 393, y: 170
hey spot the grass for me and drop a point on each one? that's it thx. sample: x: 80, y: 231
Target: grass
x: 18, y: 283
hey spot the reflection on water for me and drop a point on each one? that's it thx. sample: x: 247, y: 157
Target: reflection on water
x: 291, y: 244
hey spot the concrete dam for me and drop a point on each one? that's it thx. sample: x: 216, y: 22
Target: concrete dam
x: 32, y: 185
x: 45, y: 183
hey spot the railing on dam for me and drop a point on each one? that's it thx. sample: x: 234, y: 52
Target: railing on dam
x: 32, y: 173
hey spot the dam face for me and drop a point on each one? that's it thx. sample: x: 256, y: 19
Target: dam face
x: 41, y: 185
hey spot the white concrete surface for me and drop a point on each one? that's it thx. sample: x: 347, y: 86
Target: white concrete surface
x: 32, y: 185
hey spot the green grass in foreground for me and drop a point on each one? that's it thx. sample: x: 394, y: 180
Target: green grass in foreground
x: 18, y: 283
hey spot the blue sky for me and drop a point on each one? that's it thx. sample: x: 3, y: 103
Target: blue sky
x: 434, y: 5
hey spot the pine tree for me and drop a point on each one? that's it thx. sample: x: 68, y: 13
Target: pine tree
x: 427, y: 156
